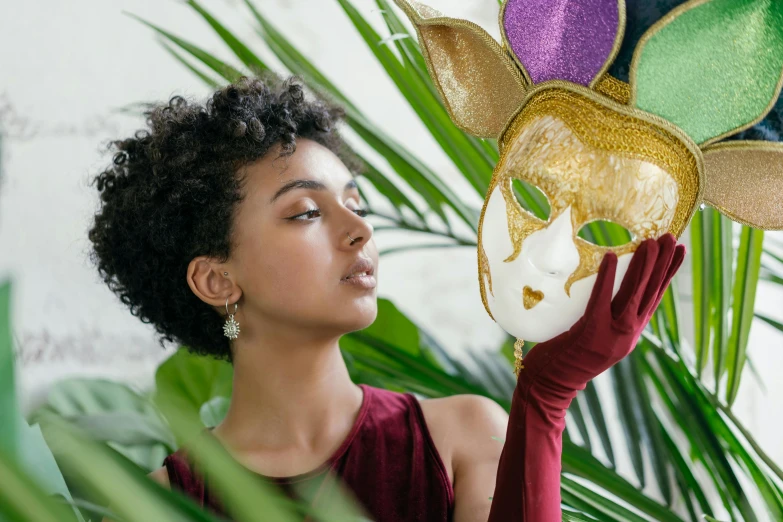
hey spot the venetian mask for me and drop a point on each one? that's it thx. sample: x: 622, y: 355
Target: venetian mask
x: 579, y: 147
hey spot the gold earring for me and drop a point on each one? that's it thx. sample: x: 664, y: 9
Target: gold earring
x: 231, y: 328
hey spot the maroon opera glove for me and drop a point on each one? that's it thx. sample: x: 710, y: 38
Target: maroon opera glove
x: 528, y: 478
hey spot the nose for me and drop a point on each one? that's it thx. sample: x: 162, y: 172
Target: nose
x: 358, y: 229
x: 551, y: 251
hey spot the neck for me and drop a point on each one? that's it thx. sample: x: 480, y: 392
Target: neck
x: 289, y: 392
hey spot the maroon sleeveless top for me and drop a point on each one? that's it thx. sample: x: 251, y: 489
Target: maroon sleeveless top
x: 388, y: 460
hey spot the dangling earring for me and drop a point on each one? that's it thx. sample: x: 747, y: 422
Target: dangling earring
x: 231, y: 328
x: 518, y: 366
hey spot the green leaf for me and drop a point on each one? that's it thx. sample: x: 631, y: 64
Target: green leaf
x: 602, y: 506
x: 579, y: 462
x: 251, y: 61
x: 701, y: 254
x: 223, y: 69
x: 748, y: 265
x: 579, y: 419
x: 214, y: 411
x: 113, y: 412
x: 8, y: 405
x: 597, y: 414
x: 723, y: 255
x: 181, y: 59
x: 23, y: 500
x: 631, y: 417
x: 190, y: 380
x: 770, y: 321
x: 650, y: 427
x: 102, y: 471
x: 700, y: 422
x: 39, y: 463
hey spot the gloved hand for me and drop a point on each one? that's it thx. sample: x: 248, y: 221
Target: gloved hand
x: 528, y: 478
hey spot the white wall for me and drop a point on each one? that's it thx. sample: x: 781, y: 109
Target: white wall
x: 66, y: 68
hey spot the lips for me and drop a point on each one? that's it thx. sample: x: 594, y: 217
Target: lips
x: 530, y: 297
x: 361, y: 265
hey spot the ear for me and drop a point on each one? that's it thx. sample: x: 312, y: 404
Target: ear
x: 480, y: 85
x: 744, y: 181
x: 206, y: 279
x: 711, y: 67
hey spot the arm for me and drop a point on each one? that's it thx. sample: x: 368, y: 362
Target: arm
x: 528, y: 479
x: 476, y: 455
x: 463, y: 427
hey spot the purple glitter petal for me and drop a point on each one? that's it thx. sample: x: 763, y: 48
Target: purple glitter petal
x: 561, y: 39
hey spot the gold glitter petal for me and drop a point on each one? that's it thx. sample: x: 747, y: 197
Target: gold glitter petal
x: 745, y: 182
x: 480, y: 85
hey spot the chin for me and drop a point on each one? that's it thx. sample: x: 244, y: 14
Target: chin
x: 361, y: 315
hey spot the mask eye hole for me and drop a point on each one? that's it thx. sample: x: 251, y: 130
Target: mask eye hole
x: 605, y: 233
x: 531, y: 198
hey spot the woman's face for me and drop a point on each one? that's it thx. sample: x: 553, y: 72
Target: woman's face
x: 291, y: 246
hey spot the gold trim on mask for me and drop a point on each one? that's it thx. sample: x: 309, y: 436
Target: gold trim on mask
x: 604, y: 124
x: 615, y: 89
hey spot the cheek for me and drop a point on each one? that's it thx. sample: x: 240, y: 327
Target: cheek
x: 291, y: 269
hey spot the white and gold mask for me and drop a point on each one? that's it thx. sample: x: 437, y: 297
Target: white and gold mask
x: 537, y: 272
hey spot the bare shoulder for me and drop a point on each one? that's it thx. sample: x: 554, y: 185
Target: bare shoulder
x: 471, y: 413
x: 463, y: 425
x: 468, y: 431
x: 161, y: 476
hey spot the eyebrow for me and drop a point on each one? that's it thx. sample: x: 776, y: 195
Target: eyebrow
x: 307, y: 184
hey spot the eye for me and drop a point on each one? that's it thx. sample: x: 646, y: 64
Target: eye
x: 605, y: 233
x: 531, y: 198
x: 362, y: 212
x: 307, y: 214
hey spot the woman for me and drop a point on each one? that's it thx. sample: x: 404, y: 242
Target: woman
x: 252, y: 199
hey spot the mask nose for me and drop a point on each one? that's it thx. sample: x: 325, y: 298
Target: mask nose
x: 551, y: 251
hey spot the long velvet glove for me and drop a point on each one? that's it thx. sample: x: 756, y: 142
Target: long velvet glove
x: 528, y: 478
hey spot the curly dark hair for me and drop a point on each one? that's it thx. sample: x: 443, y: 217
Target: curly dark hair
x: 171, y: 193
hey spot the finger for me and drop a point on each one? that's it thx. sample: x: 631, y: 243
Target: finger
x: 666, y: 246
x: 635, y: 277
x: 677, y: 259
x: 604, y: 283
x: 641, y: 286
x: 631, y: 274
